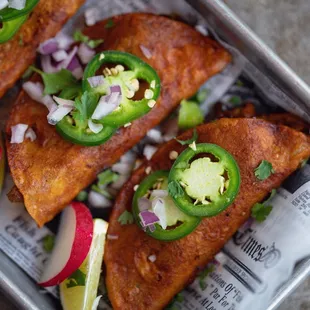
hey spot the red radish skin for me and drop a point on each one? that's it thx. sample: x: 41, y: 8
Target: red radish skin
x: 80, y: 246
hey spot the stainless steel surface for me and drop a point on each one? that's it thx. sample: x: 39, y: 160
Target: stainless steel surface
x: 24, y: 292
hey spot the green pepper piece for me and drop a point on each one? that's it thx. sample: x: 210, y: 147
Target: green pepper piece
x: 206, y: 186
x: 128, y: 110
x: 190, y: 115
x: 79, y: 134
x: 183, y: 224
x: 7, y: 13
x: 9, y: 28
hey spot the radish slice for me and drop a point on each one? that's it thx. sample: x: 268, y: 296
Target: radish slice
x: 72, y: 244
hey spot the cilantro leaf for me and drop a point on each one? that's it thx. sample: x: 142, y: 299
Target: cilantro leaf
x: 235, y: 100
x: 264, y: 170
x: 82, y: 196
x: 109, y: 24
x: 48, y: 243
x: 77, y: 278
x: 80, y: 37
x: 175, y: 189
x: 125, y: 218
x: 101, y: 191
x: 191, y: 140
x: 260, y: 212
x: 85, y: 106
x: 203, y: 275
x: 106, y: 177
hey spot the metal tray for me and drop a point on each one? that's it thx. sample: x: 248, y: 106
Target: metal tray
x: 26, y: 294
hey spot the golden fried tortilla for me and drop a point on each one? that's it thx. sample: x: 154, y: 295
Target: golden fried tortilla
x: 133, y: 282
x: 44, y: 22
x: 50, y: 172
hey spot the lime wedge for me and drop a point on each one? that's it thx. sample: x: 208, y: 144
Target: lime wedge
x: 2, y: 162
x: 75, y: 296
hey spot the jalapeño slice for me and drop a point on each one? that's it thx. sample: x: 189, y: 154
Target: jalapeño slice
x: 178, y: 223
x: 7, y: 13
x: 127, y: 72
x: 205, y: 181
x: 9, y: 28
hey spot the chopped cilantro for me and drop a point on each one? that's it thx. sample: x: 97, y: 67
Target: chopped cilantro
x: 260, y: 211
x: 235, y: 100
x: 80, y: 37
x: 191, y: 140
x: 106, y: 177
x: 85, y: 106
x: 48, y: 243
x: 101, y: 191
x: 57, y: 82
x: 203, y: 275
x: 125, y: 218
x: 175, y: 189
x: 77, y: 278
x: 264, y: 170
x: 82, y: 196
x: 28, y: 73
x: 109, y: 24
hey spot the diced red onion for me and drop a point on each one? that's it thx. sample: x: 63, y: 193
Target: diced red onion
x: 148, y: 218
x: 152, y: 258
x: 146, y: 52
x: 161, y: 193
x: 112, y: 237
x: 91, y: 16
x: 64, y: 41
x: 98, y: 201
x: 3, y: 4
x: 76, y: 68
x: 122, y: 168
x: 85, y: 53
x: 60, y: 55
x: 64, y: 102
x: 17, y: 4
x: 155, y: 136
x: 152, y: 228
x: 78, y: 73
x: 95, y: 128
x: 96, y: 81
x: 66, y: 63
x: 48, y: 47
x: 30, y: 134
x: 115, y: 89
x: 149, y: 151
x: 54, y: 117
x: 96, y: 303
x: 106, y: 105
x: 34, y: 90
x: 158, y: 207
x: 144, y: 204
x: 18, y: 133
x: 47, y: 66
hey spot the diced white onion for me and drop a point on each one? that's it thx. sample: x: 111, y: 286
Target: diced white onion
x: 91, y: 16
x: 17, y: 4
x: 3, y: 4
x: 60, y: 55
x: 96, y: 303
x: 106, y: 105
x: 64, y: 102
x: 152, y: 258
x: 146, y: 52
x: 34, y: 90
x: 149, y: 151
x: 95, y: 128
x: 155, y: 136
x: 18, y: 133
x: 30, y: 134
x: 98, y: 201
x: 85, y: 53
